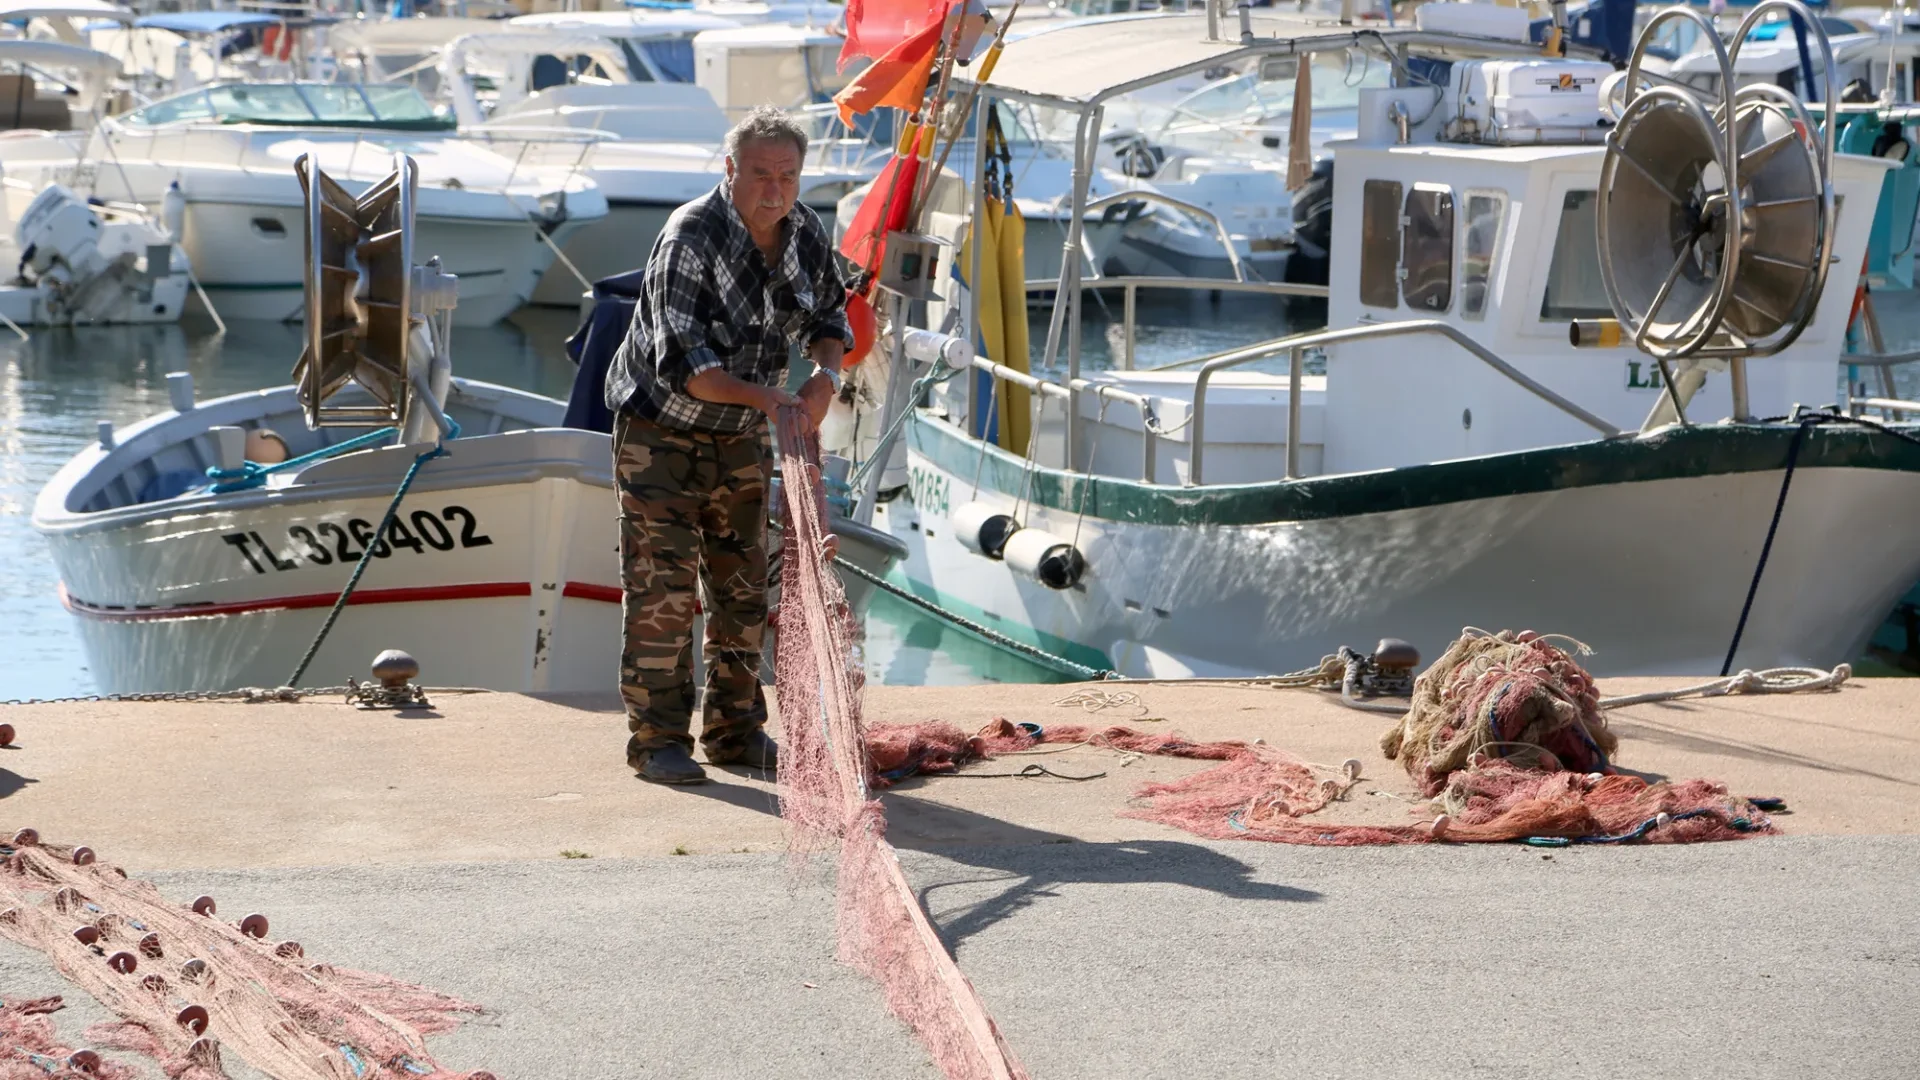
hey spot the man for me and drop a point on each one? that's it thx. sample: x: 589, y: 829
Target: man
x: 735, y: 277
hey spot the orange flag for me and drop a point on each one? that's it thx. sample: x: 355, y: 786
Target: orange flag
x: 898, y: 79
x: 884, y: 210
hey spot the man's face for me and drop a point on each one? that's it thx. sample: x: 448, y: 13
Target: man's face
x: 766, y: 181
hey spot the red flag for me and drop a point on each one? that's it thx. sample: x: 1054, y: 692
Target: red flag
x: 884, y: 210
x: 876, y: 27
x: 898, y: 79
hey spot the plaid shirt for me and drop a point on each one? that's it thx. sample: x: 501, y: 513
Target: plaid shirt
x: 710, y: 301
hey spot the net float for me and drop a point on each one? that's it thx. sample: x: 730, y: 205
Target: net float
x: 193, y: 970
x: 123, y: 962
x: 289, y: 950
x: 254, y: 925
x: 6, y: 734
x: 480, y: 1076
x: 193, y: 1018
x: 204, y: 905
x: 204, y: 1051
x: 1441, y: 826
x: 83, y: 856
x: 1663, y: 819
x: 85, y: 1061
x: 86, y: 934
x: 26, y: 838
x: 150, y: 947
x: 1351, y: 767
x: 154, y: 984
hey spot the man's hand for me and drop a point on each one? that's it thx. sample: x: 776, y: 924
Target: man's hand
x: 773, y: 400
x: 816, y: 394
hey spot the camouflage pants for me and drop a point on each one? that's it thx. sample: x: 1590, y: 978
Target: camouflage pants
x: 693, y: 511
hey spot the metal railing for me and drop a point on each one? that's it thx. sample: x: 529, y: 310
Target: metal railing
x: 1890, y: 407
x: 1149, y: 423
x: 1296, y: 348
x: 1201, y: 212
x: 1132, y: 284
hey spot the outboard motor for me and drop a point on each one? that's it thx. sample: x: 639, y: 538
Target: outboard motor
x: 1312, y: 227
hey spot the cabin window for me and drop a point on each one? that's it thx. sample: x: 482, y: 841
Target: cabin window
x: 1380, y: 243
x: 1426, y: 249
x: 1485, y: 212
x: 1574, y: 289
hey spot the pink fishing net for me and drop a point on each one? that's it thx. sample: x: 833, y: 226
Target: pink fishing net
x: 1257, y: 792
x: 824, y: 776
x: 188, y: 985
x: 30, y: 1049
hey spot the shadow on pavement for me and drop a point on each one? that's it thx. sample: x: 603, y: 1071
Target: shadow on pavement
x: 1033, y: 861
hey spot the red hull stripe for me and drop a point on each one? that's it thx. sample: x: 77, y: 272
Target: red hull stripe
x: 484, y: 590
x: 583, y: 591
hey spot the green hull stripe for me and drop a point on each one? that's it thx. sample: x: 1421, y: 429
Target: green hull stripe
x: 1675, y: 454
x: 1013, y: 628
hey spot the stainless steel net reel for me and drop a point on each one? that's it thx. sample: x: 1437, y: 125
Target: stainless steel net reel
x: 373, y: 318
x: 1715, y: 217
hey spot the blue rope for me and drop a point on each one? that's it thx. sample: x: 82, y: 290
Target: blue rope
x: 366, y: 556
x: 252, y: 474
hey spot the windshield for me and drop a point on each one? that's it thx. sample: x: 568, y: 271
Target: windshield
x: 1263, y: 97
x: 384, y: 105
x: 674, y: 58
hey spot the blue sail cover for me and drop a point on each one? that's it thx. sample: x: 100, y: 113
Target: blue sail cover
x: 205, y: 22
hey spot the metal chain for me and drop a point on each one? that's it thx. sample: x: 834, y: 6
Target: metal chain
x: 250, y: 694
x: 354, y: 692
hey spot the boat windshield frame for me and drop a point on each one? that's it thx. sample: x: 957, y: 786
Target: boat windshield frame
x: 359, y: 106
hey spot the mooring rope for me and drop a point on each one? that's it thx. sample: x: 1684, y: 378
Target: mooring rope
x: 366, y: 557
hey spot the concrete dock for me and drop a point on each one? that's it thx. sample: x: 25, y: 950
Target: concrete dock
x: 497, y: 848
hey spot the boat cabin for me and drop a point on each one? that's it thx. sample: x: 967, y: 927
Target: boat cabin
x: 44, y: 85
x: 1464, y: 247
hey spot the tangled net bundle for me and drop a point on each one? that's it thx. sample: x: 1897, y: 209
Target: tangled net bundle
x: 188, y: 986
x: 1515, y: 697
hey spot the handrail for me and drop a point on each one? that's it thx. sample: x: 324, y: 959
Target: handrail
x: 1296, y: 347
x: 1892, y: 408
x: 1201, y: 212
x: 1149, y: 423
x: 1132, y: 284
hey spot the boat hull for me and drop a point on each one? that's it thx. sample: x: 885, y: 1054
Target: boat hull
x: 502, y: 573
x: 1642, y: 549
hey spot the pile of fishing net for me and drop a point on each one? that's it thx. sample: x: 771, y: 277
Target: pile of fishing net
x: 188, y: 986
x: 1505, y: 734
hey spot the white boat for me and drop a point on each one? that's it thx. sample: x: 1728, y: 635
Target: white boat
x: 1460, y: 462
x: 638, y: 103
x: 499, y: 569
x: 229, y: 148
x: 63, y: 261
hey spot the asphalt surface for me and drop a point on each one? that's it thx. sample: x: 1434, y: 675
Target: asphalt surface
x: 1773, y: 957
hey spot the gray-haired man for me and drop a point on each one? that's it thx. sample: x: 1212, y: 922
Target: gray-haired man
x: 736, y: 276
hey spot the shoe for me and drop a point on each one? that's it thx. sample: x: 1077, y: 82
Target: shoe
x: 669, y: 764
x: 756, y: 751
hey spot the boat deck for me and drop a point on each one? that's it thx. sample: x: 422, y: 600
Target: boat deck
x: 430, y: 847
